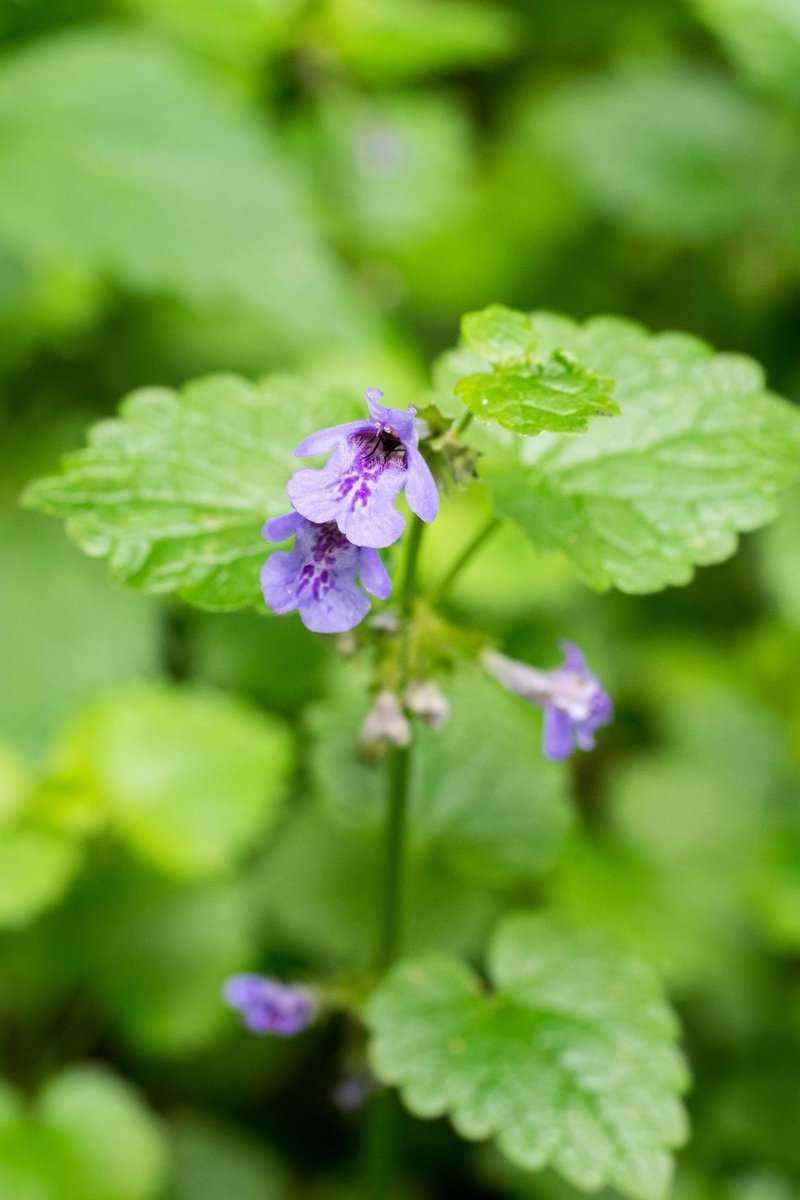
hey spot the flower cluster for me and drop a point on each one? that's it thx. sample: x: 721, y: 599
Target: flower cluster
x: 574, y: 701
x: 343, y: 514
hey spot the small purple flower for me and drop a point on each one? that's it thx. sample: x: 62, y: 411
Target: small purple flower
x: 371, y: 463
x: 574, y: 701
x: 318, y: 576
x: 268, y: 1006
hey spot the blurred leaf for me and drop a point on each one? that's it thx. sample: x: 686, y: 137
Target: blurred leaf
x: 88, y: 1138
x: 36, y: 868
x: 155, y: 952
x: 15, y: 782
x: 699, y: 452
x: 319, y: 887
x: 162, y: 181
x: 236, y: 36
x: 175, y: 492
x: 214, y: 1162
x: 670, y: 151
x: 96, y: 636
x: 481, y: 793
x: 386, y: 41
x: 190, y: 779
x: 763, y: 36
x: 569, y: 1062
x: 780, y: 559
x: 672, y: 876
x: 389, y: 169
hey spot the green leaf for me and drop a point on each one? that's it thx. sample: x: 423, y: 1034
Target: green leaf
x: 214, y: 1162
x: 150, y: 171
x: 97, y: 637
x: 190, y: 779
x: 699, y: 453
x: 389, y: 169
x: 762, y: 35
x: 175, y: 492
x: 670, y: 151
x: 502, y: 336
x: 154, y: 953
x: 89, y: 1137
x: 36, y: 868
x: 319, y: 887
x: 569, y: 1061
x: 560, y: 396
x: 481, y: 792
x: 393, y: 40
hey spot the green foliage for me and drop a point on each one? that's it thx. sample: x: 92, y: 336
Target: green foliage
x: 500, y: 335
x: 153, y: 952
x: 389, y: 169
x: 672, y: 151
x: 391, y: 40
x: 763, y: 36
x: 213, y: 1162
x: 569, y: 1061
x: 319, y: 888
x: 521, y: 394
x: 175, y: 492
x: 89, y: 1137
x: 46, y: 678
x: 481, y: 795
x: 36, y: 868
x: 189, y: 779
x: 128, y: 152
x: 699, y: 452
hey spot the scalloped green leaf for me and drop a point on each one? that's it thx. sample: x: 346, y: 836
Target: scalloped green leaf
x: 569, y: 1060
x: 174, y: 493
x: 560, y: 395
x: 700, y: 452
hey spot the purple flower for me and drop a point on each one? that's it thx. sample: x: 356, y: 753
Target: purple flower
x: 269, y: 1006
x: 318, y: 576
x: 372, y: 461
x: 574, y: 701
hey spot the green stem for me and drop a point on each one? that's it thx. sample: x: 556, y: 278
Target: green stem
x: 465, y: 422
x: 467, y: 554
x: 382, y: 1143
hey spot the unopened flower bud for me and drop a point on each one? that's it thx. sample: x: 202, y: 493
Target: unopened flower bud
x: 385, y: 724
x: 424, y: 698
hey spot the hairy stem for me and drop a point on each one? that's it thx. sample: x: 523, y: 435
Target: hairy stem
x: 382, y: 1143
x: 465, y: 557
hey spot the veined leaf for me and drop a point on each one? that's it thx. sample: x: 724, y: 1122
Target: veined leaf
x: 175, y: 492
x: 570, y: 1060
x: 559, y: 395
x: 700, y: 452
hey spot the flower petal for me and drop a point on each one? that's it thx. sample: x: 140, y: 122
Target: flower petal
x: 341, y: 608
x: 279, y: 576
x: 359, y: 495
x: 279, y: 529
x: 374, y: 576
x: 327, y: 439
x: 422, y: 493
x: 558, y: 736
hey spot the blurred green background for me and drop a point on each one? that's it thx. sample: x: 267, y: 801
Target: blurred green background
x: 325, y: 186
